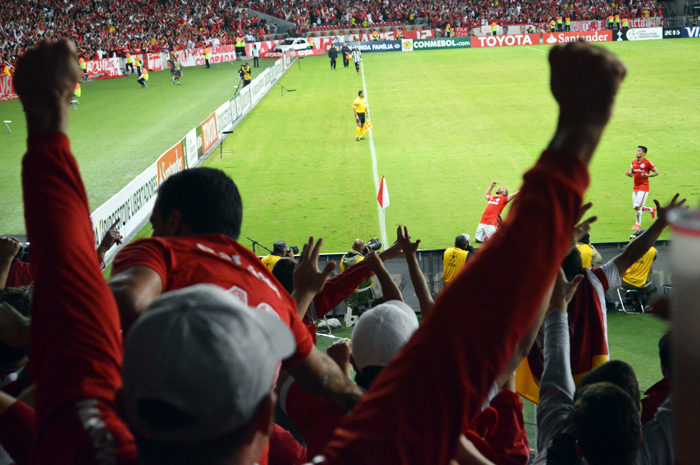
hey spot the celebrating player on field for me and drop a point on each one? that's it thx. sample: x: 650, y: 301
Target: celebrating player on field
x: 496, y: 204
x: 642, y: 170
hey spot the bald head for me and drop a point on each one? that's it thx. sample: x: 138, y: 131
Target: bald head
x: 358, y: 245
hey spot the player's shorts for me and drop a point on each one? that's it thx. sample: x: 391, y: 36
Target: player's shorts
x: 639, y: 198
x: 361, y: 117
x: 484, y: 232
x: 177, y: 73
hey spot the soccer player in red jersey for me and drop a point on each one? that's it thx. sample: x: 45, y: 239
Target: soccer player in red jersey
x: 642, y: 170
x: 489, y: 220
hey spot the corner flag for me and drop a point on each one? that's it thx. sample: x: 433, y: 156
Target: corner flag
x: 383, y: 196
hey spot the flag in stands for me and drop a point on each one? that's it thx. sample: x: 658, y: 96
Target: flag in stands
x: 383, y: 196
x: 368, y: 126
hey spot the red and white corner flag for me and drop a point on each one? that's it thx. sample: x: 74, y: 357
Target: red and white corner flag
x: 383, y: 196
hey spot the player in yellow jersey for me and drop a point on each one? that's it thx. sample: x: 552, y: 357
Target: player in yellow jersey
x: 359, y: 106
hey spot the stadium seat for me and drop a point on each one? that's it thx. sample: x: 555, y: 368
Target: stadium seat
x: 73, y: 102
x: 7, y: 126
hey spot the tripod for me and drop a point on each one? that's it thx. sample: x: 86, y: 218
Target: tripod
x: 259, y: 245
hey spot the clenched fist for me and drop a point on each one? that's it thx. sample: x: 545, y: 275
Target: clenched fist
x: 584, y: 81
x: 8, y: 249
x: 45, y: 79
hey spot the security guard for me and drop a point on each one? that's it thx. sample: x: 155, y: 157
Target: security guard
x: 611, y: 21
x: 143, y: 77
x: 375, y: 35
x: 83, y: 67
x: 448, y: 31
x: 129, y: 62
x: 240, y: 46
x: 568, y: 23
x: 617, y: 22
x: 553, y: 25
x: 78, y: 91
x: 207, y: 55
x: 399, y: 34
x: 494, y: 28
x: 625, y: 24
x: 560, y: 26
x: 139, y: 64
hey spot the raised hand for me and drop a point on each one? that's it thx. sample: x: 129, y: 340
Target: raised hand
x: 8, y: 249
x: 45, y: 79
x: 584, y: 81
x: 373, y: 262
x: 404, y: 240
x: 582, y: 228
x: 111, y: 237
x: 308, y: 279
x: 563, y: 292
x: 662, y: 212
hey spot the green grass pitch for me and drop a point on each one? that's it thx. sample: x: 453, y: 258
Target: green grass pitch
x: 446, y: 124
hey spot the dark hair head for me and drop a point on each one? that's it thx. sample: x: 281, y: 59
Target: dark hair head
x: 665, y: 353
x: 572, y: 264
x: 18, y: 298
x: 207, y: 199
x: 608, y: 429
x: 461, y: 241
x: 585, y: 239
x: 366, y: 377
x: 218, y: 451
x: 644, y: 149
x: 284, y: 272
x: 616, y: 372
x: 360, y: 92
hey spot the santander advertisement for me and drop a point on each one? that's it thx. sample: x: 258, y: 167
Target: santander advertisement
x: 505, y: 40
x: 588, y: 36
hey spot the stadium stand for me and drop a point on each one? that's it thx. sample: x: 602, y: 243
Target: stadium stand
x: 191, y: 379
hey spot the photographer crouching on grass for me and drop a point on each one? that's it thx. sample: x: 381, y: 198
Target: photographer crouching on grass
x: 361, y: 299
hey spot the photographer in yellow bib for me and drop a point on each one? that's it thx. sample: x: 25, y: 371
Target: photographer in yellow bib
x: 359, y: 107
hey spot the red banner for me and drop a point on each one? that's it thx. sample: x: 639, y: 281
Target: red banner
x: 590, y: 36
x: 7, y: 90
x: 210, y: 133
x: 171, y: 162
x: 154, y: 62
x: 505, y: 40
x: 104, y: 69
x: 300, y: 53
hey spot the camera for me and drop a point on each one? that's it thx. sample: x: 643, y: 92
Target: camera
x: 373, y: 245
x: 294, y: 249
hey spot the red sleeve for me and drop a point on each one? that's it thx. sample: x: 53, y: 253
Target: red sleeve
x: 17, y: 428
x: 303, y: 339
x: 340, y: 287
x: 446, y: 369
x: 146, y: 252
x: 20, y: 274
x: 315, y: 417
x: 600, y: 274
x: 509, y: 440
x: 284, y: 449
x: 76, y: 347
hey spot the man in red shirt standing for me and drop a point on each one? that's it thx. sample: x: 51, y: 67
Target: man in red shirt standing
x: 496, y: 204
x: 642, y: 170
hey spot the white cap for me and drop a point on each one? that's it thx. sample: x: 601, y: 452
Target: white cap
x: 205, y: 356
x: 381, y: 333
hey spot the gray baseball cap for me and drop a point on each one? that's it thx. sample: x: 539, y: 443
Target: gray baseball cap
x: 202, y: 352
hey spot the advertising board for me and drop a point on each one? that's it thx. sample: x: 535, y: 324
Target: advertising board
x: 647, y: 33
x: 171, y: 162
x: 505, y: 41
x: 210, y: 133
x: 451, y: 42
x: 7, y: 90
x: 104, y: 69
x: 689, y: 32
x: 588, y: 36
x: 673, y: 32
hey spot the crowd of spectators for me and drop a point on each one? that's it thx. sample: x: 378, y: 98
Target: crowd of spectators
x: 348, y: 14
x: 183, y: 355
x: 104, y: 28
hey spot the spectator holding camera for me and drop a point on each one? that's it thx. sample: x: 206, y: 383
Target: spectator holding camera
x: 361, y: 299
x: 279, y: 250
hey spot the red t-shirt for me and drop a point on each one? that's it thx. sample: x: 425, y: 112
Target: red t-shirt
x: 493, y: 209
x: 221, y: 261
x: 645, y: 166
x: 20, y: 274
x: 315, y: 417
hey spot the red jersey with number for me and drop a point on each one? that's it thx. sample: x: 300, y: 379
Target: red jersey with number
x: 639, y: 167
x: 493, y: 209
x: 219, y: 260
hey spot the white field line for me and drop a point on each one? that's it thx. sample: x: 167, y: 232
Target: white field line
x: 382, y: 221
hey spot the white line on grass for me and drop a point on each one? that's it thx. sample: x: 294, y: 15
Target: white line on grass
x: 456, y: 87
x: 382, y: 220
x: 537, y: 50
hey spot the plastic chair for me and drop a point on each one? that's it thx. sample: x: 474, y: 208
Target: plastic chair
x: 7, y: 126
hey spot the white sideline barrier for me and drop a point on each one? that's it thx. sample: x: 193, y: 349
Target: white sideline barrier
x: 134, y: 203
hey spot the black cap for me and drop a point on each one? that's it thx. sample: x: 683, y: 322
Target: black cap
x: 279, y: 247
